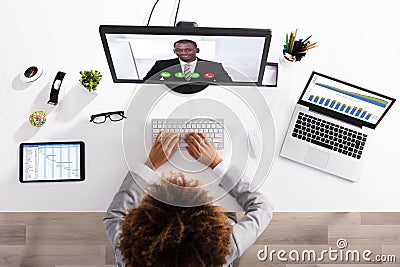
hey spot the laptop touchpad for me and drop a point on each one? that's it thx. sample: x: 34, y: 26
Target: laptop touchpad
x: 317, y: 157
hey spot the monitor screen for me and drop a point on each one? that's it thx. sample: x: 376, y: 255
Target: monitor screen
x: 180, y: 55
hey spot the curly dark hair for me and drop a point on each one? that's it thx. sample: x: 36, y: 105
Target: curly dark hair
x: 162, y: 235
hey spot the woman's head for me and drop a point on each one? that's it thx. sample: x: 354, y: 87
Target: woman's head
x: 159, y: 234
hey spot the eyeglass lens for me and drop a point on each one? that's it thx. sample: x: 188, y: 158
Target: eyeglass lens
x: 115, y: 117
x: 99, y: 119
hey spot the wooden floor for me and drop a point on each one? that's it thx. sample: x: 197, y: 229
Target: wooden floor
x: 79, y: 240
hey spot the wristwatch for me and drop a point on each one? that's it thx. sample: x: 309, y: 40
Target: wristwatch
x: 55, y: 88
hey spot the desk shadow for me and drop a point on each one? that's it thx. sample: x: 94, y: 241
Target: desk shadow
x: 73, y: 102
x: 40, y: 102
x: 25, y: 132
x: 17, y: 84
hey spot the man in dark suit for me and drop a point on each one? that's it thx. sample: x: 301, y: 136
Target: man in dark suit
x: 187, y: 67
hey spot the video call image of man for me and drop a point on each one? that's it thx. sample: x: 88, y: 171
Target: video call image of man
x: 187, y: 67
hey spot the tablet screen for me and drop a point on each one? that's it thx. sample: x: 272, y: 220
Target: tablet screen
x: 52, y: 162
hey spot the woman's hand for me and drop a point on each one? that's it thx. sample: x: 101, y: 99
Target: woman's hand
x: 200, y: 148
x: 163, y: 148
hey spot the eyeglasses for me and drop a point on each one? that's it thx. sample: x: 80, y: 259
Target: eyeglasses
x: 102, y: 117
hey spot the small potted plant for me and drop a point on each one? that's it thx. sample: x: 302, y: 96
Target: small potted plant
x: 90, y: 79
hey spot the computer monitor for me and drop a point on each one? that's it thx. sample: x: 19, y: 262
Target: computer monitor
x: 147, y: 54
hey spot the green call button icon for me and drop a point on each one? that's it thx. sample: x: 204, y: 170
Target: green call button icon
x: 194, y: 75
x: 180, y: 74
x: 165, y: 74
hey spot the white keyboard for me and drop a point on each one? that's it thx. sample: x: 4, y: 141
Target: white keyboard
x: 213, y: 129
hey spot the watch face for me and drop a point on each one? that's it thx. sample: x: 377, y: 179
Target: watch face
x: 31, y: 71
x: 31, y: 74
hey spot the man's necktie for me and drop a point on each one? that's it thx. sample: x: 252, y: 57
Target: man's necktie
x: 186, y: 70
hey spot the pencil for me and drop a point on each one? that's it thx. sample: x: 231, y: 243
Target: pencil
x: 294, y: 39
x: 286, y: 41
x: 290, y: 41
x: 307, y: 39
x: 314, y: 46
x: 309, y: 46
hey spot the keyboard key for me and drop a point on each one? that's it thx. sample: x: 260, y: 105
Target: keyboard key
x: 321, y: 144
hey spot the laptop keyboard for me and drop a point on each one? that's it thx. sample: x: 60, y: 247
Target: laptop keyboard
x: 329, y: 135
x: 212, y: 129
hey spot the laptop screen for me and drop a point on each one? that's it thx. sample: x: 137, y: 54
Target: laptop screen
x: 346, y: 99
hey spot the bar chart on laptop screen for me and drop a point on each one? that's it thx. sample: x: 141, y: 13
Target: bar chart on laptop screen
x: 345, y: 99
x: 51, y: 162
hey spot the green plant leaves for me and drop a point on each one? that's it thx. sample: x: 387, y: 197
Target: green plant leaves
x: 90, y: 79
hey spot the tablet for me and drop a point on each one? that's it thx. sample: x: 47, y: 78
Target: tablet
x: 52, y: 162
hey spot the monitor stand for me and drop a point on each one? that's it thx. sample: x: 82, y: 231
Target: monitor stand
x: 188, y: 88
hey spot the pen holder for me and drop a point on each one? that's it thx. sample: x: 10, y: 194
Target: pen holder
x: 285, y: 62
x: 294, y: 50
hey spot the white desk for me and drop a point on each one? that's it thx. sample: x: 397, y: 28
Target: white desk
x: 243, y: 110
x: 291, y: 187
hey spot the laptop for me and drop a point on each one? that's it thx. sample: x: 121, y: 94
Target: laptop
x: 332, y: 124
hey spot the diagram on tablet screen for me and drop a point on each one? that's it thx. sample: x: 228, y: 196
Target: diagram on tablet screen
x: 51, y: 162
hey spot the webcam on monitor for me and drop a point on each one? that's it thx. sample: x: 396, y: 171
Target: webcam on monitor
x: 186, y: 58
x: 186, y: 24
